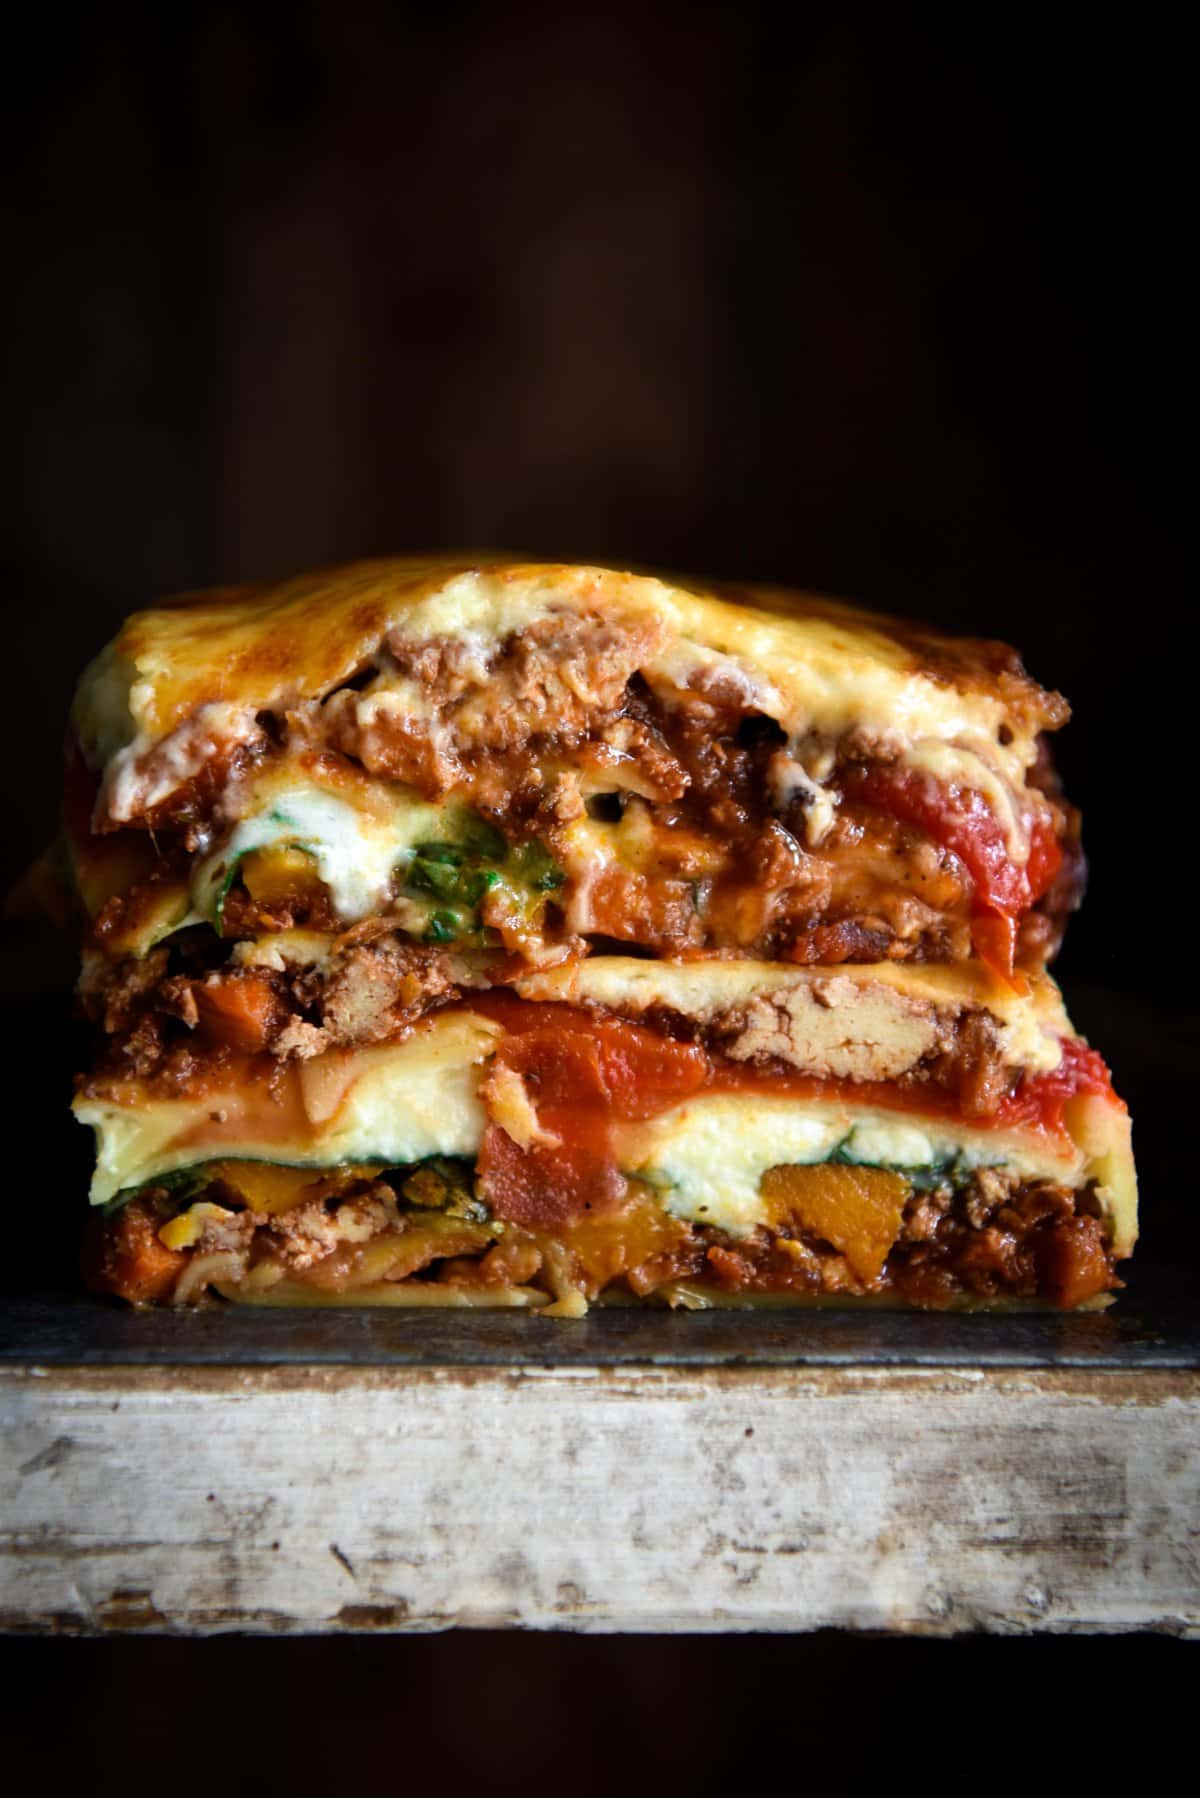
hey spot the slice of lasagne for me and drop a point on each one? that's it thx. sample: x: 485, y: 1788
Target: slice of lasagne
x: 506, y: 934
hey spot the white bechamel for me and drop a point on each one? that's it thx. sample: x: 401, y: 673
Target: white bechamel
x: 357, y: 848
x: 419, y: 1099
x: 131, y: 788
x: 707, y: 1157
x: 787, y: 777
x: 396, y: 1104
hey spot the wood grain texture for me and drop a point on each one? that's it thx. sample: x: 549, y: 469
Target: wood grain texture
x: 281, y: 1500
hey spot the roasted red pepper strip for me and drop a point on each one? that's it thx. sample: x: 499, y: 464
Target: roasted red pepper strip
x: 961, y: 820
x: 581, y: 1073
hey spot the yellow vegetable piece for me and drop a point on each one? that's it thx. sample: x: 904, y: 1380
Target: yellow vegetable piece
x: 857, y: 1209
x: 185, y: 1231
x: 271, y: 876
x: 270, y: 1189
x: 606, y: 1246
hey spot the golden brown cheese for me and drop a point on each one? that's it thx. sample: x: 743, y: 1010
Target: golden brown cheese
x: 184, y: 681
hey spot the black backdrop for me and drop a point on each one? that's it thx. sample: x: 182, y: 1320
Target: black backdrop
x: 886, y: 300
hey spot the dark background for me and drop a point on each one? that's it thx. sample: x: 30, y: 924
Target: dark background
x: 884, y: 300
x: 888, y: 301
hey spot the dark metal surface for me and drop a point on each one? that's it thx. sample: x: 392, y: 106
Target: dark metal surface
x: 1153, y: 1325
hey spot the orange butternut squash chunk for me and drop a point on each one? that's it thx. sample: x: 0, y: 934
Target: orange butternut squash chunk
x: 857, y: 1209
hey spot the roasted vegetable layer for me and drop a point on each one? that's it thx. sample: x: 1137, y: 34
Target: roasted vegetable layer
x: 243, y: 1230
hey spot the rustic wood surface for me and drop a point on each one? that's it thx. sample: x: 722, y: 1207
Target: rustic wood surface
x: 283, y: 1499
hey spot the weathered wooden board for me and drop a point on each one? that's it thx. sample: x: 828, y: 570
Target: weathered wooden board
x: 636, y: 1498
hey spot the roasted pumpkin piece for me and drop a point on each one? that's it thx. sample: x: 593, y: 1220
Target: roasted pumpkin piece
x: 278, y: 875
x: 123, y: 1255
x: 606, y: 1245
x: 241, y: 1012
x: 266, y: 1187
x: 1072, y: 1262
x: 856, y: 1209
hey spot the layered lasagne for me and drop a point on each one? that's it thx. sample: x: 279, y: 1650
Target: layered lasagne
x: 532, y: 935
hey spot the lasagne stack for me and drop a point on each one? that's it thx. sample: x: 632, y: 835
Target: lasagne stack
x: 490, y: 934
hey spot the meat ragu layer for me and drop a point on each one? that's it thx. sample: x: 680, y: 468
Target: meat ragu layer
x: 672, y: 820
x: 179, y: 1035
x: 994, y: 1240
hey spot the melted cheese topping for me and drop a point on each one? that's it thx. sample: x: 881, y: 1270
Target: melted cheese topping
x: 590, y: 848
x: 813, y: 665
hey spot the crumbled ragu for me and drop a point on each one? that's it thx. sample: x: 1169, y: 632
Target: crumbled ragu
x: 305, y: 1235
x: 973, y: 1064
x: 990, y: 1188
x: 141, y: 1052
x: 176, y: 997
x: 562, y: 676
x: 559, y: 675
x: 373, y: 989
x: 299, y: 1041
x: 112, y: 995
x: 310, y: 1232
x: 924, y: 1213
x: 887, y: 1033
x: 563, y: 803
x: 226, y: 1231
x: 640, y: 760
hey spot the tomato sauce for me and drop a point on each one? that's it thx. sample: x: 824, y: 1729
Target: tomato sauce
x: 961, y: 820
x: 582, y: 1074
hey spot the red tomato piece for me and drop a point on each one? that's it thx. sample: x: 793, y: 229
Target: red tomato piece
x: 580, y: 1073
x: 241, y: 1013
x: 961, y: 820
x: 994, y: 935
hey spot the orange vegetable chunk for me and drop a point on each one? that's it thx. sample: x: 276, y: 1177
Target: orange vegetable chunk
x: 240, y: 1012
x: 857, y: 1209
